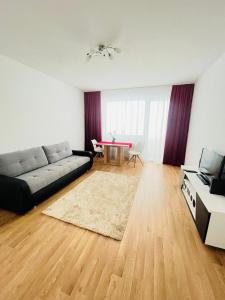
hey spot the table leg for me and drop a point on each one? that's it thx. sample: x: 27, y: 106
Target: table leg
x: 119, y: 155
x: 106, y: 154
x: 118, y: 152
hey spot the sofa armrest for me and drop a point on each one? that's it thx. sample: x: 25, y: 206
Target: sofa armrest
x: 84, y: 153
x: 15, y: 195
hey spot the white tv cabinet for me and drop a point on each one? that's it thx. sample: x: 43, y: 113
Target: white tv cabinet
x: 208, y: 210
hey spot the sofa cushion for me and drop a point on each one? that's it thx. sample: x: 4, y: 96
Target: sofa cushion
x: 19, y: 162
x: 57, y: 152
x: 42, y: 177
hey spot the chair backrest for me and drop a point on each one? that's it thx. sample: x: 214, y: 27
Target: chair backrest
x: 94, y: 142
x: 138, y: 147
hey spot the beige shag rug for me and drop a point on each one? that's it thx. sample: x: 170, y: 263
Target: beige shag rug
x: 100, y: 203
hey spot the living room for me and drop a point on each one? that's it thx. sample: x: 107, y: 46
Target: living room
x: 112, y: 154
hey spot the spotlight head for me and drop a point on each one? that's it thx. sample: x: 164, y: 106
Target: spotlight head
x: 89, y: 56
x: 110, y: 56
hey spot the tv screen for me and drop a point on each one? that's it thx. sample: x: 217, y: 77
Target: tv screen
x: 211, y: 163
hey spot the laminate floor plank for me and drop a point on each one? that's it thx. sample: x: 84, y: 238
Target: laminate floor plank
x: 161, y: 256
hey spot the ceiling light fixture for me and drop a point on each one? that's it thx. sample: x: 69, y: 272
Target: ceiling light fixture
x: 102, y: 50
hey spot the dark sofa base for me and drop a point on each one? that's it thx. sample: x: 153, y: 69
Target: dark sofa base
x: 15, y: 195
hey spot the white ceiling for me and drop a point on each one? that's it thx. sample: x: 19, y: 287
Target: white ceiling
x: 162, y: 42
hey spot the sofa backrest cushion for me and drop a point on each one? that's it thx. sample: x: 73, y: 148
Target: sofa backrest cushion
x: 57, y: 152
x: 20, y: 162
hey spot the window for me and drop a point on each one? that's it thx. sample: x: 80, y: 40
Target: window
x: 125, y: 117
x: 138, y: 116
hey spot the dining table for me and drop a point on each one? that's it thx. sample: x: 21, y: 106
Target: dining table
x: 118, y: 147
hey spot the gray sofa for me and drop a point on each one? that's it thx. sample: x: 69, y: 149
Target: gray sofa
x: 28, y: 177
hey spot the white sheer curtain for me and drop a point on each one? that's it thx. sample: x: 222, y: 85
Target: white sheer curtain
x: 139, y: 116
x: 125, y: 118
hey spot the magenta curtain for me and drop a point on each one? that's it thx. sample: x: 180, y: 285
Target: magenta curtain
x: 92, y: 111
x: 178, y: 124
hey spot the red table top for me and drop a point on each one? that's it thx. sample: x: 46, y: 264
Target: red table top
x: 120, y: 144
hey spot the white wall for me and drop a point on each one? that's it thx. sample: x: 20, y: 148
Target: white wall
x: 36, y: 109
x: 207, y: 125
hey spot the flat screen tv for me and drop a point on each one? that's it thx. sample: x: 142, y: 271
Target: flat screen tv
x: 211, y: 164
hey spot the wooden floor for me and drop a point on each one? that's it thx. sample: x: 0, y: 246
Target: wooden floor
x: 160, y: 257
